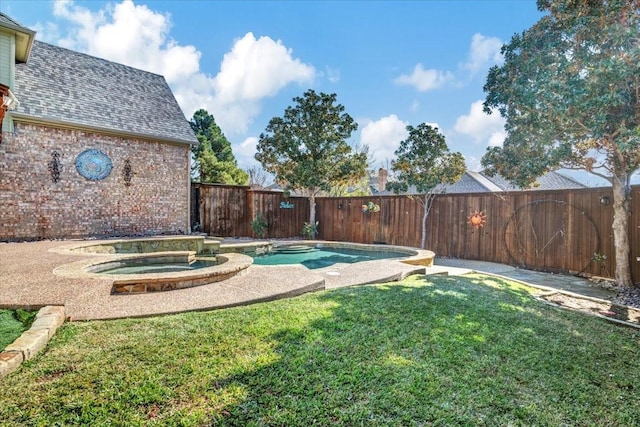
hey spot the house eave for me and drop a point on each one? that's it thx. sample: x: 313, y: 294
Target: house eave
x: 56, y: 122
x: 24, y: 40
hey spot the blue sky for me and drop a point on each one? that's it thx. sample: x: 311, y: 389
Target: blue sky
x: 391, y: 63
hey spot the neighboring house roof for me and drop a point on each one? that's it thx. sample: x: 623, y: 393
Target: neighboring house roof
x: 549, y: 181
x: 470, y: 182
x: 480, y: 182
x: 69, y: 88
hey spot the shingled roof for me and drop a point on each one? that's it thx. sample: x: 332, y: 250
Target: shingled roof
x: 479, y: 182
x: 549, y: 181
x: 11, y: 23
x: 65, y: 87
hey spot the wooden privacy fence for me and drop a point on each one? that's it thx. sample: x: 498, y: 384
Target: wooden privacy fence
x: 227, y: 211
x: 565, y: 231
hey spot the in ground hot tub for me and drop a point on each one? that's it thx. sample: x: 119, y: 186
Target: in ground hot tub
x: 154, y: 272
x: 154, y: 265
x: 167, y: 271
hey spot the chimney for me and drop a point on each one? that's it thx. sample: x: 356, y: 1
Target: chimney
x: 383, y: 174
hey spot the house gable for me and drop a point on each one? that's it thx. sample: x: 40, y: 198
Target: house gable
x: 90, y: 148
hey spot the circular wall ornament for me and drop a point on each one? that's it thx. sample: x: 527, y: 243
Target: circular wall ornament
x: 93, y: 164
x: 477, y: 219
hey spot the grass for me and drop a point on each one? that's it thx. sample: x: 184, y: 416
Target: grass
x: 472, y: 351
x: 13, y: 323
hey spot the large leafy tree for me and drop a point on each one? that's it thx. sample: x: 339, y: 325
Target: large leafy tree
x: 307, y: 150
x: 353, y: 186
x: 569, y: 90
x: 213, y: 158
x: 423, y: 163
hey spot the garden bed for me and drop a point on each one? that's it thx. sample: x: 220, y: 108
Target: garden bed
x: 593, y: 306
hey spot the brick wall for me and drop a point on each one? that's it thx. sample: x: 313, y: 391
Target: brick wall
x: 32, y: 206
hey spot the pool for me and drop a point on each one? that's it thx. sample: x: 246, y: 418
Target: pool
x: 320, y: 256
x: 178, y: 262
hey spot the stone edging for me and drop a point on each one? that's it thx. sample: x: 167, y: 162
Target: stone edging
x: 550, y: 290
x: 47, y: 321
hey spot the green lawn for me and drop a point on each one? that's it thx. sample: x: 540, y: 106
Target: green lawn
x: 473, y: 351
x: 13, y: 323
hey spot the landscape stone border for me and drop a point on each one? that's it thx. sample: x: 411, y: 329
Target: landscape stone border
x: 47, y: 321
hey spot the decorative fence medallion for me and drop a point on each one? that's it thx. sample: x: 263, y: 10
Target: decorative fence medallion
x: 477, y: 219
x: 93, y: 164
x: 371, y: 207
x: 286, y: 205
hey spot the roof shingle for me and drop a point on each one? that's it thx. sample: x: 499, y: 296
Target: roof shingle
x: 61, y: 85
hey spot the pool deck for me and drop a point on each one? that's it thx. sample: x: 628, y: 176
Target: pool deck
x: 27, y: 280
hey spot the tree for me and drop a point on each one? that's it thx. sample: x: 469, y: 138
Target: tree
x: 353, y: 186
x: 359, y: 188
x: 306, y: 149
x: 214, y: 160
x: 424, y: 161
x: 569, y: 90
x: 257, y: 177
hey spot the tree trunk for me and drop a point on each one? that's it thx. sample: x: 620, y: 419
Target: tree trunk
x: 312, y: 213
x: 620, y: 226
x: 425, y: 214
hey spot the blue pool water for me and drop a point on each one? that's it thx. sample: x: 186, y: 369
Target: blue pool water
x: 143, y: 268
x: 314, y: 257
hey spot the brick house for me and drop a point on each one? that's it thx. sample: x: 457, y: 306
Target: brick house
x: 89, y: 147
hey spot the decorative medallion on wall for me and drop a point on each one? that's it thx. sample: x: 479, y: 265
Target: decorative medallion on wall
x: 127, y: 173
x: 55, y: 167
x: 93, y: 164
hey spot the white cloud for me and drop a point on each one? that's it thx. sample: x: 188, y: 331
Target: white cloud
x: 130, y: 34
x: 473, y: 163
x: 47, y: 32
x: 484, y: 52
x: 256, y: 68
x: 383, y: 137
x: 139, y: 37
x: 415, y: 106
x: 245, y: 151
x: 252, y: 70
x: 482, y: 127
x: 333, y: 74
x: 496, y: 139
x: 424, y: 80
